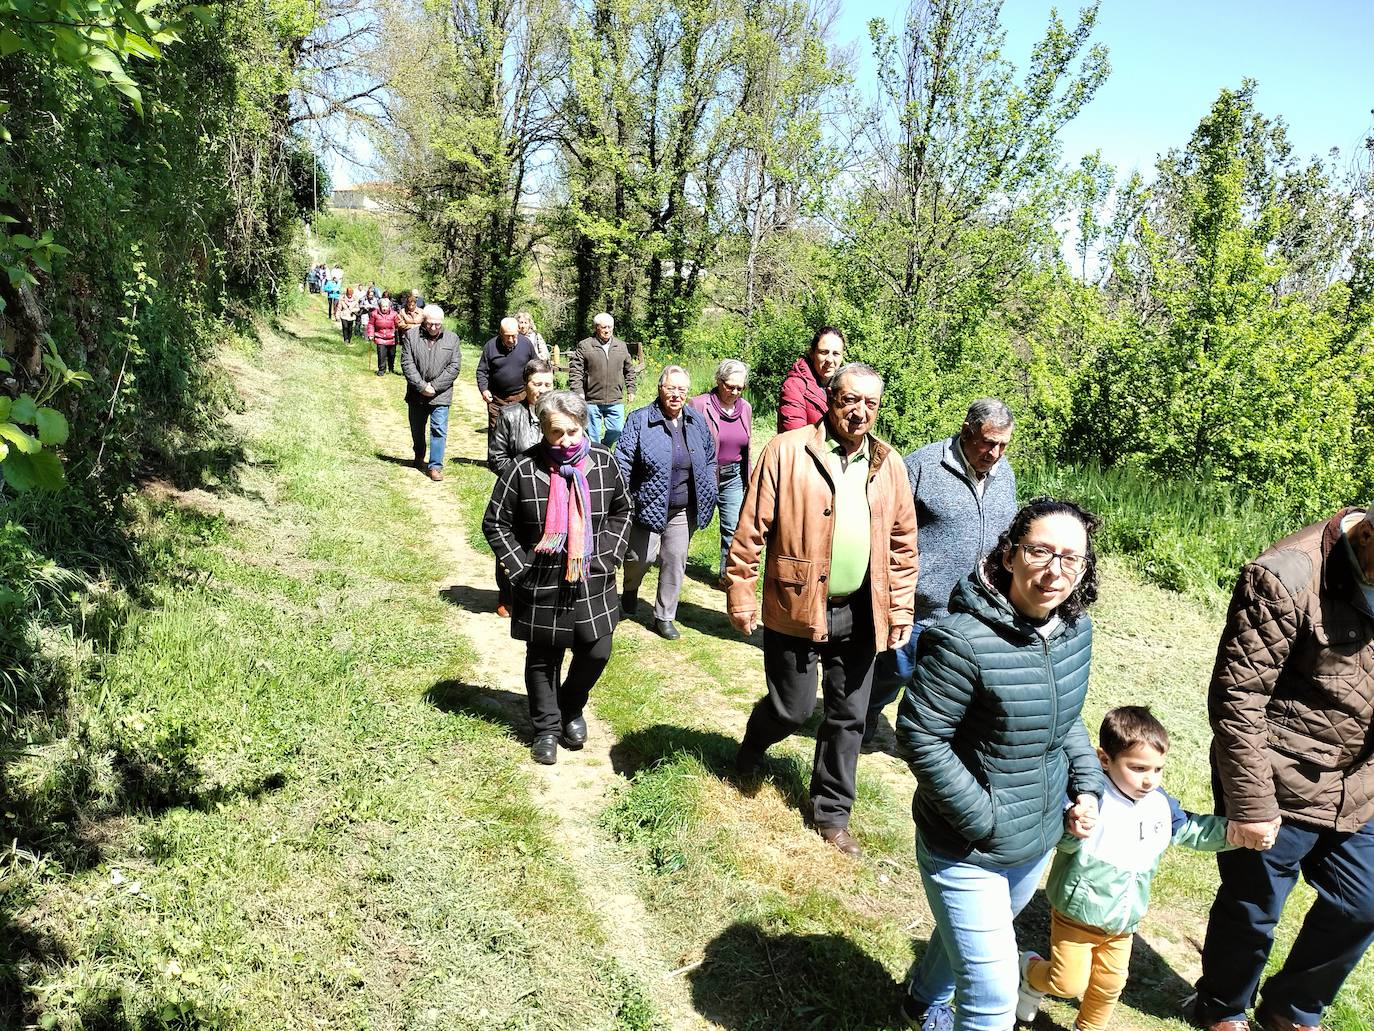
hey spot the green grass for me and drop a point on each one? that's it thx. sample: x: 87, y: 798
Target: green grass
x: 270, y: 807
x: 1190, y: 537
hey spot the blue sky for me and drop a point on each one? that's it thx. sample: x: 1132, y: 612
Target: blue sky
x: 1313, y: 60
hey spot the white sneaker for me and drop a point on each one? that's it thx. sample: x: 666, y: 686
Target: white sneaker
x: 1027, y: 998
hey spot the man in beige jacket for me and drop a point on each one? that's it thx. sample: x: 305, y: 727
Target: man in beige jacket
x: 832, y: 505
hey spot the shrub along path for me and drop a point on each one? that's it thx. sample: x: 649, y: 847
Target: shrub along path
x: 764, y: 925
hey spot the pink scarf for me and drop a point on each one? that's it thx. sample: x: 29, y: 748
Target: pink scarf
x: 567, y: 522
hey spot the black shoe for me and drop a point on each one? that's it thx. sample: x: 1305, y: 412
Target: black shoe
x: 380, y: 372
x: 666, y: 630
x: 746, y: 772
x: 575, y: 733
x: 545, y: 749
x: 629, y: 603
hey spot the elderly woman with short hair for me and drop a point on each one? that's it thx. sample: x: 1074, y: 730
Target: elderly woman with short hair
x: 730, y: 419
x: 669, y: 462
x: 557, y: 521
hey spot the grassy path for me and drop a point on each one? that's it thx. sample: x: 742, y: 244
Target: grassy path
x: 295, y: 792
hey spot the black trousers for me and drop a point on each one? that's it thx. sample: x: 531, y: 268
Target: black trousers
x: 1335, y: 933
x: 789, y: 668
x: 555, y: 701
x: 386, y: 357
x: 347, y: 325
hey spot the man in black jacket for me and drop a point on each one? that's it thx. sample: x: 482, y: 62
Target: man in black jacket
x: 430, y: 363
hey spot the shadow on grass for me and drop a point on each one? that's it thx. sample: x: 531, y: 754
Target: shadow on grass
x: 714, y: 623
x: 752, y: 979
x: 1154, y: 987
x: 504, y: 708
x: 641, y: 749
x: 473, y: 599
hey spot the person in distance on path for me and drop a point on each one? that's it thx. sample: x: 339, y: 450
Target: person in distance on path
x: 558, y: 520
x: 601, y: 371
x: 381, y: 330
x: 430, y: 363
x: 501, y: 368
x: 832, y: 506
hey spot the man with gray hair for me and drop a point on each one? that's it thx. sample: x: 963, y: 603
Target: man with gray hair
x: 501, y: 368
x: 430, y: 362
x: 832, y: 506
x: 602, y: 373
x: 964, y: 493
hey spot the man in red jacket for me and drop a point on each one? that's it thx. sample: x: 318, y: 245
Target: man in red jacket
x: 803, y: 401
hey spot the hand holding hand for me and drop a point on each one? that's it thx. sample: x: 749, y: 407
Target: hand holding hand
x: 744, y: 622
x: 1081, y: 817
x: 898, y: 636
x: 1258, y: 836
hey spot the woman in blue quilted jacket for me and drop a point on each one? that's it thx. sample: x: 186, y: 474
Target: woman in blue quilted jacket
x: 668, y: 458
x: 992, y: 731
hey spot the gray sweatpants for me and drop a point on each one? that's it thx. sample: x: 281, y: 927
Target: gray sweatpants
x: 669, y: 549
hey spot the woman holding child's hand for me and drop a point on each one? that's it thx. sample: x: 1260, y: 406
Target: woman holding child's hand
x: 992, y: 731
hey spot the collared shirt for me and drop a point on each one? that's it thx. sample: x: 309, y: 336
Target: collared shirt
x: 980, y: 483
x: 850, y: 542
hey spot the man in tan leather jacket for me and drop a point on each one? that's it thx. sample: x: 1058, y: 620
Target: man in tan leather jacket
x: 1292, y: 711
x: 832, y: 504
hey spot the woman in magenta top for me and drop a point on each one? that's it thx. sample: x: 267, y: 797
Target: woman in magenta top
x: 730, y: 419
x: 381, y: 330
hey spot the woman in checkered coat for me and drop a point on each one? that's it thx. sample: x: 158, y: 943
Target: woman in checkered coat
x: 558, y: 521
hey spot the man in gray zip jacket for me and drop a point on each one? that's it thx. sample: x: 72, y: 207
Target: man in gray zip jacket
x: 430, y: 364
x: 965, y: 496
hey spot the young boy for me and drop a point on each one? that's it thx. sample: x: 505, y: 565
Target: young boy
x: 1099, y: 887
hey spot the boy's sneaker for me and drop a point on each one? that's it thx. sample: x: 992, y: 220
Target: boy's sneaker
x: 1027, y: 998
x: 938, y: 1016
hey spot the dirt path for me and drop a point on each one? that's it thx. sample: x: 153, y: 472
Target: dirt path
x: 574, y: 791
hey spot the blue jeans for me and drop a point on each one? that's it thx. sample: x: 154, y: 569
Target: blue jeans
x: 606, y: 422
x: 972, y: 952
x: 437, y: 417
x: 729, y: 500
x: 1335, y: 932
x: 891, y: 673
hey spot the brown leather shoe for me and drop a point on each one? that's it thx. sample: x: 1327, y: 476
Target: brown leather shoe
x: 1227, y: 1025
x: 841, y: 839
x: 1271, y: 1022
x: 436, y: 474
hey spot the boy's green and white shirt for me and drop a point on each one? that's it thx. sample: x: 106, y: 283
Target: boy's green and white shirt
x: 1103, y: 881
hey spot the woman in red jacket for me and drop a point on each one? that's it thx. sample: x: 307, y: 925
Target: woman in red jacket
x: 381, y: 330
x: 803, y: 401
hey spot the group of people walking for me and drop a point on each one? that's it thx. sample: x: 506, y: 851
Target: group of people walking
x: 922, y: 579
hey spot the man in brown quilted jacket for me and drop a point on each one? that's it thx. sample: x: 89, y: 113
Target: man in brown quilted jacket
x: 1292, y: 711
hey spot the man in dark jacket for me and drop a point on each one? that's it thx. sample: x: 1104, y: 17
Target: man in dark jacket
x: 669, y: 463
x: 1292, y: 711
x: 802, y: 401
x: 602, y: 373
x: 965, y: 496
x: 501, y: 368
x: 430, y: 364
x: 831, y: 505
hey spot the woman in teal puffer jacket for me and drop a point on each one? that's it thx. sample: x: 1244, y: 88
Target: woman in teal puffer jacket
x: 991, y: 728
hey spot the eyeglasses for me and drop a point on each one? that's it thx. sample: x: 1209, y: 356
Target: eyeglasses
x: 1040, y: 557
x: 674, y: 391
x: 854, y: 400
